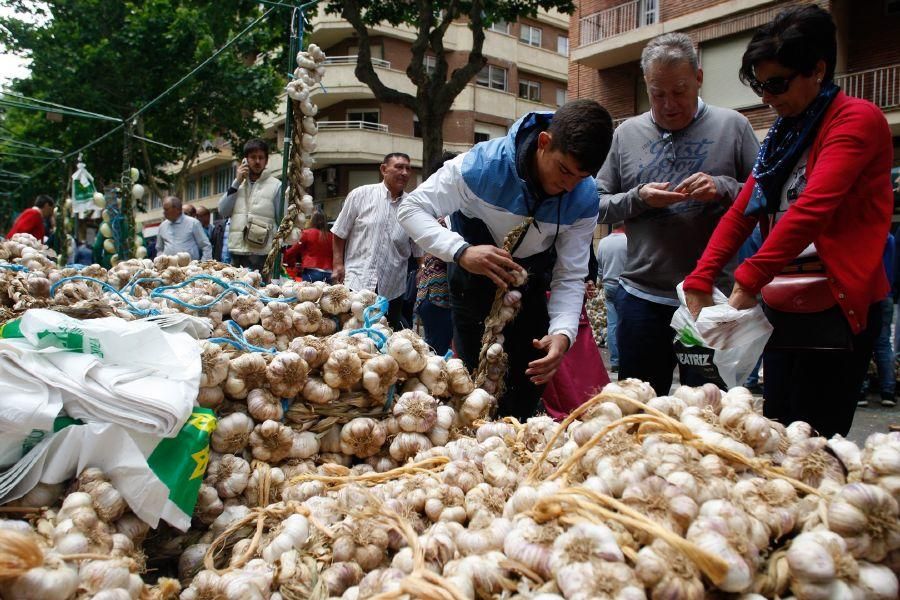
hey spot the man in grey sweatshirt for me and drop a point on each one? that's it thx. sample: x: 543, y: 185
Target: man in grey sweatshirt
x: 671, y: 174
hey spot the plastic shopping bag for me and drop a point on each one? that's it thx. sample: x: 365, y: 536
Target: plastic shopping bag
x: 723, y: 344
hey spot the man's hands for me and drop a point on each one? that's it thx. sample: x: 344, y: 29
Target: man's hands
x: 490, y: 261
x: 337, y: 274
x: 243, y: 171
x: 696, y: 301
x: 698, y: 186
x: 740, y: 298
x: 542, y: 370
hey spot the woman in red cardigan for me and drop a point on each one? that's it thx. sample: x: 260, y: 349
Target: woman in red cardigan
x: 313, y: 251
x: 821, y: 193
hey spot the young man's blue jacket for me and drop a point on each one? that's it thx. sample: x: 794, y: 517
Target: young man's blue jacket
x: 484, y: 185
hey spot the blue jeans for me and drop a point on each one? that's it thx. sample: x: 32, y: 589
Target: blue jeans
x: 753, y: 377
x: 612, y: 322
x: 883, y: 353
x: 438, y: 325
x: 314, y: 275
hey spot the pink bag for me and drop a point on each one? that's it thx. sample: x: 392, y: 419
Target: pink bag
x: 580, y: 377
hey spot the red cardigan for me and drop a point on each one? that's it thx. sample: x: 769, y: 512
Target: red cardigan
x: 845, y: 209
x: 29, y: 221
x: 315, y: 249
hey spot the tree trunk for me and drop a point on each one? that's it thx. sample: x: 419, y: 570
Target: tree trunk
x: 432, y: 141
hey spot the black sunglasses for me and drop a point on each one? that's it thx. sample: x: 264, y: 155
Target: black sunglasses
x: 773, y: 85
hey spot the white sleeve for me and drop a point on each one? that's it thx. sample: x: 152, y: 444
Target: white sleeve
x: 443, y: 193
x: 343, y: 225
x: 567, y: 286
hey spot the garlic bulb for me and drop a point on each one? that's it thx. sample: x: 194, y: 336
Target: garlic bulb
x: 632, y: 388
x: 232, y: 433
x: 335, y: 300
x: 210, y: 397
x: 263, y: 406
x: 867, y: 518
x: 246, y: 311
x: 379, y: 373
x: 808, y: 461
x: 407, y: 445
x: 271, y: 441
x: 228, y: 475
x: 340, y: 576
x: 415, y: 412
x: 362, y: 542
x: 773, y: 501
x: 246, y: 372
x: 342, y: 370
x: 307, y: 317
x: 108, y: 503
x: 53, y: 581
x: 435, y: 376
x: 409, y: 351
x: 258, y: 335
x: 277, y: 317
x: 317, y: 391
x: 530, y: 544
x: 362, y: 437
x: 214, y: 365
x: 209, y: 506
x: 291, y: 535
x: 458, y: 378
x: 475, y: 406
x: 668, y: 573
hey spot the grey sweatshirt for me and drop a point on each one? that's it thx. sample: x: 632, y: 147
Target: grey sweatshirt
x: 665, y: 243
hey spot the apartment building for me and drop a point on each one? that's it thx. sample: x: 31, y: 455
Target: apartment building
x: 527, y: 70
x: 608, y: 36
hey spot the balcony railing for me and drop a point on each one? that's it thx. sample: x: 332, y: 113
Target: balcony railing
x: 351, y: 60
x: 880, y: 86
x: 345, y: 125
x: 618, y: 20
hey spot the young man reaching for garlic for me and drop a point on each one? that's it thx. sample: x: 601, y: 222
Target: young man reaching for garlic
x: 543, y: 169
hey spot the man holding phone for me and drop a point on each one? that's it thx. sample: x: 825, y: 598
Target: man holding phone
x: 252, y: 204
x: 671, y: 174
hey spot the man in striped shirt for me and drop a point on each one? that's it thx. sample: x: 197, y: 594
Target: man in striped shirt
x: 371, y: 248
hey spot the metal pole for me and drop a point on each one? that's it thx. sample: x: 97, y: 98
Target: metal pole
x: 126, y: 239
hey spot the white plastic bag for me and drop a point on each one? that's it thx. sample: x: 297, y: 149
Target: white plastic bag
x: 723, y: 341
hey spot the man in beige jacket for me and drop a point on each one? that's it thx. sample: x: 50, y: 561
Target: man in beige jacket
x: 252, y: 204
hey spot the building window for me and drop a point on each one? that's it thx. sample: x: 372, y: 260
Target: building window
x: 492, y: 77
x: 530, y: 90
x: 649, y: 12
x: 205, y: 184
x: 530, y: 35
x: 222, y: 179
x: 430, y: 64
x: 500, y: 27
x: 561, y: 96
x: 191, y: 188
x: 366, y: 115
x: 155, y: 202
x: 481, y: 137
x: 562, y: 44
x: 377, y: 51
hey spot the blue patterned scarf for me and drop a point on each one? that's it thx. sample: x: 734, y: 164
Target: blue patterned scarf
x: 781, y: 149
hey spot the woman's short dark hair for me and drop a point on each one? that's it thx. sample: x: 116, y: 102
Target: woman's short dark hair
x: 43, y: 200
x: 317, y: 221
x: 797, y: 38
x: 583, y: 129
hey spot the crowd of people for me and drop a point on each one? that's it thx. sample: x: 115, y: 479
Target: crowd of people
x: 799, y: 223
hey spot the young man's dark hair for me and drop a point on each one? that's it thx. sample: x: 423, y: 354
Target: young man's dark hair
x: 256, y: 144
x: 43, y: 200
x: 797, y: 38
x: 387, y: 157
x: 582, y: 129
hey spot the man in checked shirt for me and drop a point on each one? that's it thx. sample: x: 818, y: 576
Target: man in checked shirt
x: 371, y: 248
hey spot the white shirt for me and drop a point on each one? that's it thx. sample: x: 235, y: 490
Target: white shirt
x: 377, y: 248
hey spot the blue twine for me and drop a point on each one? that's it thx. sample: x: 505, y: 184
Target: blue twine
x: 389, y: 401
x: 448, y: 355
x: 131, y: 307
x: 381, y: 306
x: 240, y: 341
x: 377, y: 336
x: 12, y: 267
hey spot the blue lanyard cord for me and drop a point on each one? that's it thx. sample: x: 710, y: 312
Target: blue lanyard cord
x: 252, y: 291
x: 129, y: 287
x: 12, y: 267
x: 108, y: 288
x: 377, y: 336
x: 239, y: 341
x: 373, y: 313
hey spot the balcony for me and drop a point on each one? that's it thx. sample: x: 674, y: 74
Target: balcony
x: 879, y: 86
x: 345, y: 125
x: 341, y: 84
x: 618, y: 20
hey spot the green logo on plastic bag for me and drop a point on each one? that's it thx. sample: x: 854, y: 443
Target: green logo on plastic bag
x: 687, y: 337
x: 180, y: 462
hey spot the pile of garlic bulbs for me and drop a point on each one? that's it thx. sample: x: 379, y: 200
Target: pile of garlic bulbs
x: 596, y: 314
x: 693, y: 495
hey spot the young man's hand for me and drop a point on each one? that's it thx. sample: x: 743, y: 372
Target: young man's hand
x: 337, y: 274
x: 699, y: 186
x: 243, y: 171
x: 542, y: 370
x: 492, y: 262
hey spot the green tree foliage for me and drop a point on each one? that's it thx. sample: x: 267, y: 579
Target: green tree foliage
x: 113, y: 58
x: 435, y: 91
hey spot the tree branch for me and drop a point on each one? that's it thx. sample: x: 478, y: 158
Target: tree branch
x: 416, y: 69
x: 365, y: 72
x: 461, y: 76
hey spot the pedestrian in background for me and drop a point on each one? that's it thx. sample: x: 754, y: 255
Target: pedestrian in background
x: 181, y: 233
x: 611, y: 255
x: 31, y: 220
x: 313, y: 252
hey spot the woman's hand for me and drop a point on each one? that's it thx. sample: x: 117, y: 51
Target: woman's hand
x: 696, y: 300
x: 740, y: 298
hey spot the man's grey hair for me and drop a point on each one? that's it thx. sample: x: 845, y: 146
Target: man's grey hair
x: 669, y: 49
x: 175, y: 201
